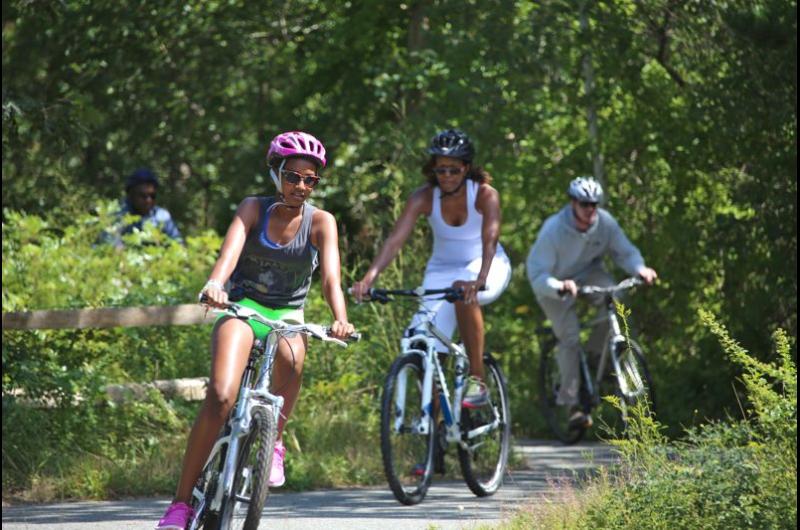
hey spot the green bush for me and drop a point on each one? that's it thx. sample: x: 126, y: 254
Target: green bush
x: 88, y: 447
x: 79, y: 444
x: 733, y: 474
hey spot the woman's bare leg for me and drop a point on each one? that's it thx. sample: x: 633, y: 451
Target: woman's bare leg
x: 470, y: 327
x: 287, y: 374
x: 230, y: 348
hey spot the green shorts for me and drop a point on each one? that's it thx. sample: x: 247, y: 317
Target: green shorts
x: 292, y: 315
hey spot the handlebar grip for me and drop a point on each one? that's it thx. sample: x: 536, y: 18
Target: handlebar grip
x: 354, y: 337
x: 205, y: 300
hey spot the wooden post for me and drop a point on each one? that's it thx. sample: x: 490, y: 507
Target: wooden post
x: 109, y: 317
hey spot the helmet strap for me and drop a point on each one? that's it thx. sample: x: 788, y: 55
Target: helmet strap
x: 276, y: 179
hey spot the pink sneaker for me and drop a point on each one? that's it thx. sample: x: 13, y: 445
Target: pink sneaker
x: 276, y: 476
x: 176, y: 517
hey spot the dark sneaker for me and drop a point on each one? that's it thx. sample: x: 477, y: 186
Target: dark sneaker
x: 579, y: 419
x: 476, y: 394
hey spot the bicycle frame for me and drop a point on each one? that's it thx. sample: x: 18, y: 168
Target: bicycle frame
x: 251, y: 396
x: 614, y: 337
x: 240, y: 421
x: 433, y: 373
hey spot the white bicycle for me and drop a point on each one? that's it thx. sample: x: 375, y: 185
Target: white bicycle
x: 412, y: 443
x: 232, y: 488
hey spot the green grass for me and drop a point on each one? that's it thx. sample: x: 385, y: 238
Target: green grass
x: 734, y: 474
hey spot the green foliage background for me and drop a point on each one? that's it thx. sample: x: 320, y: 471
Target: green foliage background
x: 740, y: 473
x: 697, y: 112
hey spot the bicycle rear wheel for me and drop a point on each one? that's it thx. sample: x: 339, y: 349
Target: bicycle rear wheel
x: 556, y: 415
x: 407, y: 441
x: 242, y: 510
x: 483, y: 463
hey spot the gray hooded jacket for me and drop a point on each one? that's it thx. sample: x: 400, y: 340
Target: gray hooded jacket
x: 562, y: 252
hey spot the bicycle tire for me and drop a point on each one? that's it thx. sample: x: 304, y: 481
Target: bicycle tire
x: 254, y: 463
x: 403, y: 450
x: 208, y: 482
x: 483, y: 470
x: 637, y: 376
x: 556, y: 416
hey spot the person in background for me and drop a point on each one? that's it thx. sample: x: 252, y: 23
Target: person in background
x: 463, y: 210
x: 141, y: 187
x: 569, y: 252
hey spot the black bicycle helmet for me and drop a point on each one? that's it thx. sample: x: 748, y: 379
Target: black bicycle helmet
x: 453, y: 143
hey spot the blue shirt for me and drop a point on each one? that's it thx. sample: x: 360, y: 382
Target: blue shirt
x: 158, y: 217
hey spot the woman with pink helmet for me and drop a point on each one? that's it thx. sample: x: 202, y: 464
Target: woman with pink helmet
x: 270, y: 251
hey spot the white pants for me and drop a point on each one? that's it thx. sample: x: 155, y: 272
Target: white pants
x: 441, y: 276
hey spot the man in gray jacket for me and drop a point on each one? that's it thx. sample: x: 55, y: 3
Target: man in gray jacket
x: 568, y: 252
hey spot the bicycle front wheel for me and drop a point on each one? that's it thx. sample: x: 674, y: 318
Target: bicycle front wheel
x: 242, y: 510
x: 556, y: 415
x: 407, y: 436
x: 487, y: 433
x: 634, y: 385
x: 207, y: 484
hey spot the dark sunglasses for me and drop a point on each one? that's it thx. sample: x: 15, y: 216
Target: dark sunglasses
x: 293, y: 177
x: 146, y: 195
x: 448, y: 170
x: 587, y: 204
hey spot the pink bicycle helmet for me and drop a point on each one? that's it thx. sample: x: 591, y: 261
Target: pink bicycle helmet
x: 296, y: 143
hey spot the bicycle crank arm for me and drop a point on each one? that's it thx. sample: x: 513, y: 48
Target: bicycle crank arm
x: 489, y: 427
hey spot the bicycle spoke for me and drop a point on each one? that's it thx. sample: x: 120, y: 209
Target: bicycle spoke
x: 486, y: 432
x: 406, y: 439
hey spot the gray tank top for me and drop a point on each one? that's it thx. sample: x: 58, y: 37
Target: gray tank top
x: 275, y: 275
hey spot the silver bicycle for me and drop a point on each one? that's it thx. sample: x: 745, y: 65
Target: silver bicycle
x: 620, y: 371
x: 418, y: 389
x: 232, y: 488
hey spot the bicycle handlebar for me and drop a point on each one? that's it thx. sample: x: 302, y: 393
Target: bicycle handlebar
x: 384, y: 296
x: 624, y: 285
x: 315, y: 330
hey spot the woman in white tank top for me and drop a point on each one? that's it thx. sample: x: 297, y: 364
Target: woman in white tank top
x: 463, y: 210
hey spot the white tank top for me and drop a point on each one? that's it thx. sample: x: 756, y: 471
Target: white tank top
x: 456, y: 244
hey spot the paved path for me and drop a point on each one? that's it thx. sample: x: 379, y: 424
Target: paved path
x: 449, y: 504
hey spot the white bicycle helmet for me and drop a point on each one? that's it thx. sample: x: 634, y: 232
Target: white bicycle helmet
x: 585, y: 189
